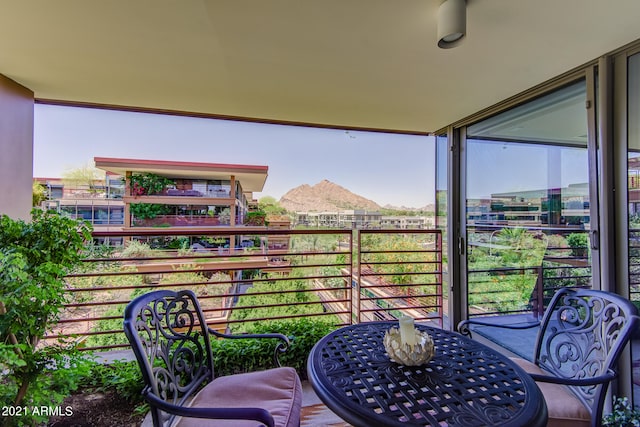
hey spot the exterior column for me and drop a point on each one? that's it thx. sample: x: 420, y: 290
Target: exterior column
x: 16, y: 146
x: 232, y: 213
x: 127, y: 206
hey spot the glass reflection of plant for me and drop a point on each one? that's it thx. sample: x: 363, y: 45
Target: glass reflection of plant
x: 504, y: 269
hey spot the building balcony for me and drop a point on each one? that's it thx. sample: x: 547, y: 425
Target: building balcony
x: 181, y: 221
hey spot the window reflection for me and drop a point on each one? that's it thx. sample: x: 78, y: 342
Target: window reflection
x: 527, y: 205
x: 633, y: 197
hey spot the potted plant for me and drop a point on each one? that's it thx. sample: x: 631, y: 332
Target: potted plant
x: 622, y: 415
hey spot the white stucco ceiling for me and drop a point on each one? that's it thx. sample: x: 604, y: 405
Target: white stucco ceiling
x: 352, y: 63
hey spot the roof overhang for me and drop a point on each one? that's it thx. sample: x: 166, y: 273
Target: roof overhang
x: 251, y: 177
x: 370, y: 64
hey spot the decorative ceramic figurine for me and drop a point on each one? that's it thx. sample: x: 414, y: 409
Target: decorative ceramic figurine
x: 406, y: 354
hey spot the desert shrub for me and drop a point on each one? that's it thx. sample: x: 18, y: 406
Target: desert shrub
x: 136, y: 249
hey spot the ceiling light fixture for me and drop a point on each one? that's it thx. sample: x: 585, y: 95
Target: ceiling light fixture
x: 452, y: 23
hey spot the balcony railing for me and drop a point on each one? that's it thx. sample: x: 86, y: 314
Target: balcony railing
x: 333, y: 275
x: 340, y: 276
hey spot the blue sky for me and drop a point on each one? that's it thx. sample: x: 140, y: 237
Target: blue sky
x: 496, y: 167
x: 386, y: 168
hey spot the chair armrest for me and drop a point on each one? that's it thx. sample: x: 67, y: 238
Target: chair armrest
x: 281, y: 347
x: 463, y: 326
x: 254, y: 414
x: 600, y: 379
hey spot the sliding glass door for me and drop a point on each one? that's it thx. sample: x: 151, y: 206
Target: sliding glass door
x: 527, y: 205
x: 633, y: 204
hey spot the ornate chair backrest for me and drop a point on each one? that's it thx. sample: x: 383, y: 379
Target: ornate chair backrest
x: 582, y: 335
x: 170, y: 340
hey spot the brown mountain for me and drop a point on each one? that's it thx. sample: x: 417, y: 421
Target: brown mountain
x: 324, y: 196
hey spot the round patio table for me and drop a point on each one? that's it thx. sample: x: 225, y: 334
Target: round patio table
x: 465, y: 384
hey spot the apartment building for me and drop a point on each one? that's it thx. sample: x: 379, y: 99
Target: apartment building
x: 361, y: 219
x: 99, y: 202
x: 160, y: 193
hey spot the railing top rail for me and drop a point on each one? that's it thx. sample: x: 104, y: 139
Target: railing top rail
x: 173, y: 231
x: 401, y: 231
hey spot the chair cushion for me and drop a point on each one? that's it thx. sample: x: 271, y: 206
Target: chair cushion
x: 277, y: 390
x: 565, y: 410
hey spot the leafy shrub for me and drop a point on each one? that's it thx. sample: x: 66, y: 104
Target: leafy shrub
x: 148, y: 210
x: 108, y: 325
x: 578, y: 242
x: 34, y: 258
x: 235, y: 356
x: 300, y: 302
x: 148, y: 184
x: 125, y: 378
x: 255, y: 218
x: 52, y: 386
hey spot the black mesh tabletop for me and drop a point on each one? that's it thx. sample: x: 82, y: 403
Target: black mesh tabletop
x: 465, y: 384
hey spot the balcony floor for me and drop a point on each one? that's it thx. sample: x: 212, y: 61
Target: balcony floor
x: 315, y: 413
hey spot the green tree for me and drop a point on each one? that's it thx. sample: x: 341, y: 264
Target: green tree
x: 34, y: 258
x: 83, y: 176
x: 39, y: 194
x: 271, y: 206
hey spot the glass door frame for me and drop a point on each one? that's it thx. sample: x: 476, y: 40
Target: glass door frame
x: 457, y: 167
x: 606, y: 109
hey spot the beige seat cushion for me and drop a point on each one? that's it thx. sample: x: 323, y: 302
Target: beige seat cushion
x: 277, y: 390
x: 565, y: 410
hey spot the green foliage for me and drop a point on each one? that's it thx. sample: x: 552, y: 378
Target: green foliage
x: 634, y: 221
x: 108, y: 325
x: 394, y: 259
x: 255, y: 218
x: 34, y: 258
x: 271, y: 206
x: 58, y: 380
x: 125, y: 378
x: 112, y: 328
x: 39, y: 194
x: 578, y: 242
x: 557, y: 245
x: 289, y: 303
x: 235, y: 356
x: 84, y: 176
x: 180, y: 243
x: 148, y: 210
x: 503, y: 273
x: 148, y: 184
x: 622, y: 415
x: 136, y: 249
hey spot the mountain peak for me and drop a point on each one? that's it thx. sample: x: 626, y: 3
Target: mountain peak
x: 324, y: 196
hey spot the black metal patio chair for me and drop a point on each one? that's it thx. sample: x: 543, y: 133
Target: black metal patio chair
x: 172, y: 343
x: 582, y: 334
